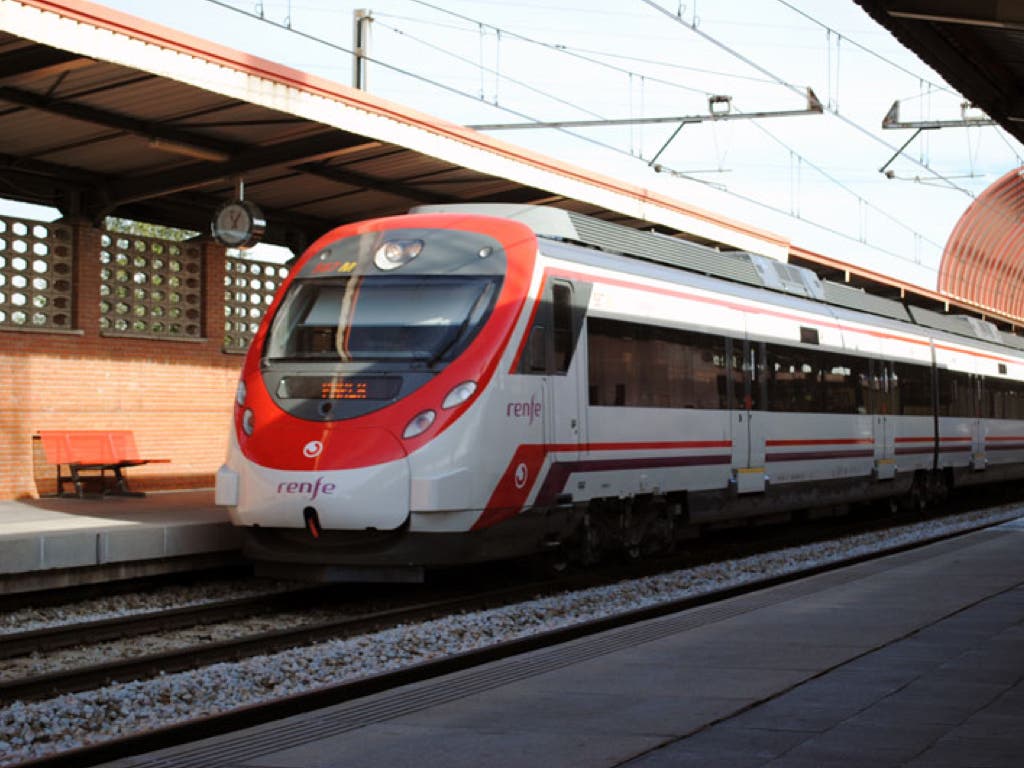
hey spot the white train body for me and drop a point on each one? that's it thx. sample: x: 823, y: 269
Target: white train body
x: 455, y: 388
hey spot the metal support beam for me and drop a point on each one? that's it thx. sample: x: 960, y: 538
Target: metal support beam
x: 309, y: 148
x: 143, y: 128
x: 714, y: 113
x: 892, y: 121
x: 38, y: 62
x: 899, y: 152
x: 366, y: 181
x: 1002, y: 15
x: 360, y: 46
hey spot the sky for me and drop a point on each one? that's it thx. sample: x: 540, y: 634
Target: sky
x: 812, y: 178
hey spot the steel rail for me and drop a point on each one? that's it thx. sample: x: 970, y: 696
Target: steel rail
x: 99, y: 630
x: 38, y: 686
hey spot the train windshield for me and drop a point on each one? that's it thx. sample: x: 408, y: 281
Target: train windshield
x: 425, y: 318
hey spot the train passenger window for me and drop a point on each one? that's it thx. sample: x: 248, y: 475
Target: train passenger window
x: 804, y: 380
x: 536, y: 351
x: 557, y: 324
x: 957, y: 394
x: 793, y: 381
x: 1013, y: 399
x: 914, y: 392
x: 561, y: 295
x: 644, y: 366
x: 1004, y: 399
x: 808, y: 335
x: 841, y: 381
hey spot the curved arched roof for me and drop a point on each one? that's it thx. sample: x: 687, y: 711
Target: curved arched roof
x: 983, y: 262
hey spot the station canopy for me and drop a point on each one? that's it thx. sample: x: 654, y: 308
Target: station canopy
x: 103, y: 113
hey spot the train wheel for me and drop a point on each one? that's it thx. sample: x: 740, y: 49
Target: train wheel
x: 889, y: 506
x: 555, y: 564
x: 916, y: 499
x: 940, y: 487
x: 591, y: 544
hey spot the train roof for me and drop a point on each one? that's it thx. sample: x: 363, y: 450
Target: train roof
x: 735, y: 266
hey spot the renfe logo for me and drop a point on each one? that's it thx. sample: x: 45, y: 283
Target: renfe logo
x: 305, y: 488
x: 531, y: 410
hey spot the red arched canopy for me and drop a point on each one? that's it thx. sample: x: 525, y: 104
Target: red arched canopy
x: 983, y: 262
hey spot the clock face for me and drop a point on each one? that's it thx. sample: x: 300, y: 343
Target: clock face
x: 238, y: 224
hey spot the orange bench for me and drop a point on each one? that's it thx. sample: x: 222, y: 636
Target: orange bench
x: 93, y: 451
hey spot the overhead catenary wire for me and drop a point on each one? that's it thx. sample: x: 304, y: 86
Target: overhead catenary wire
x: 829, y: 108
x: 566, y: 50
x: 860, y: 198
x: 864, y: 48
x: 563, y: 50
x: 485, y: 70
x: 413, y: 75
x: 607, y: 54
x: 771, y: 76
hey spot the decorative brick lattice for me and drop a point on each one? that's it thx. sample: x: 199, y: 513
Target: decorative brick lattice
x: 35, y: 275
x: 150, y: 287
x: 249, y: 288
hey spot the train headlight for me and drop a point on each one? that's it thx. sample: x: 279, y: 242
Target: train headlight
x: 420, y: 424
x: 459, y: 395
x: 248, y: 421
x: 240, y: 393
x: 393, y: 254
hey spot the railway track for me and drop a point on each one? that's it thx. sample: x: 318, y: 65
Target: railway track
x: 90, y: 632
x: 74, y: 594
x: 373, y: 611
x: 62, y: 682
x: 346, y: 691
x: 354, y: 616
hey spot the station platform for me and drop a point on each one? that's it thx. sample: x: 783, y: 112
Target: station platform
x: 66, y: 541
x: 916, y: 659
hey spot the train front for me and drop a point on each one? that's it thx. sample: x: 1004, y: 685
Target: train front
x: 381, y: 341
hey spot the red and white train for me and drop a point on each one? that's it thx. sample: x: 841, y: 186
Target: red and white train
x: 466, y: 384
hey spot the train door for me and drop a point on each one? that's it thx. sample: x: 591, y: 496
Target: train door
x: 564, y: 383
x: 748, y: 422
x: 882, y: 404
x: 979, y: 461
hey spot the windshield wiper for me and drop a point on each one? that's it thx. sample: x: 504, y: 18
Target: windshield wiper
x: 481, y: 298
x: 455, y: 340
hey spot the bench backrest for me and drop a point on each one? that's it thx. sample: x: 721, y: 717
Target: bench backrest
x: 88, y: 446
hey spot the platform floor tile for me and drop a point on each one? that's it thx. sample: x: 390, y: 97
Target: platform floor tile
x: 949, y: 695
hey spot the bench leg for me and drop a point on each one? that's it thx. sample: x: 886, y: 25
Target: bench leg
x: 120, y: 487
x: 77, y: 480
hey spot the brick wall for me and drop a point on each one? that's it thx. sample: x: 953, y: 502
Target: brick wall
x: 176, y: 395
